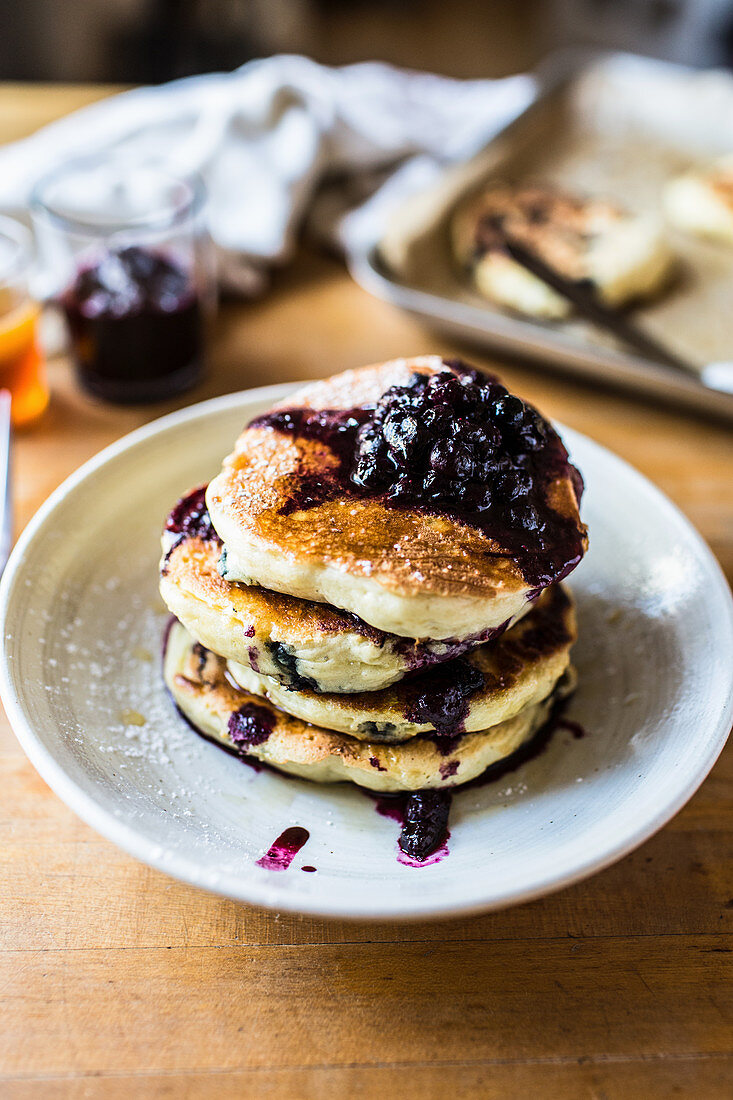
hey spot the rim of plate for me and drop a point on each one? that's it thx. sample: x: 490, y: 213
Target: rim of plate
x: 148, y: 851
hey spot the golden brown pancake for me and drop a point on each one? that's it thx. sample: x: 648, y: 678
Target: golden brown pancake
x: 243, y: 723
x: 291, y: 521
x: 297, y: 643
x: 623, y: 255
x: 489, y: 685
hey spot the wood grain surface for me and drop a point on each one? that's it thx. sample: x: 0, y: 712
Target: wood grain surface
x: 118, y: 982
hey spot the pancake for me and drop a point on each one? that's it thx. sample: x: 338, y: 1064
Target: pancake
x: 296, y: 643
x: 430, y: 507
x: 196, y: 679
x: 487, y: 686
x: 701, y: 201
x: 623, y: 255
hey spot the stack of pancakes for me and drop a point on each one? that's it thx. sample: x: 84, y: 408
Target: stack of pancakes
x: 347, y: 619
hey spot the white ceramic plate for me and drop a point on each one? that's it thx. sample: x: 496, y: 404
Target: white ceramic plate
x: 83, y: 622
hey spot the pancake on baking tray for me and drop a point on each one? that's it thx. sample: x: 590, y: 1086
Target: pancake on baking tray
x: 623, y: 255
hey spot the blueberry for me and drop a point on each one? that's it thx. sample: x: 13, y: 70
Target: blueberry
x: 446, y: 389
x: 522, y: 482
x: 505, y: 488
x: 460, y: 441
x: 509, y: 410
x: 525, y: 516
x: 436, y: 420
x: 471, y: 433
x: 367, y: 473
x: 441, y: 457
x: 470, y: 494
x: 401, y: 434
x: 533, y: 430
x: 140, y: 264
x: 432, y: 485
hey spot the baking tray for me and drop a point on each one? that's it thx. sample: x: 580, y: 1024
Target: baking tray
x: 614, y: 125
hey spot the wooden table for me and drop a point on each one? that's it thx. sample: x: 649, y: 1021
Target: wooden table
x: 118, y: 982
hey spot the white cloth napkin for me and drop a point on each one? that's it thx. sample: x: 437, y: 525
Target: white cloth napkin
x: 265, y: 136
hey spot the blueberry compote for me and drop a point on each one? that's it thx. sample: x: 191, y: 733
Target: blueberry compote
x: 443, y: 699
x: 424, y: 815
x: 189, y: 519
x: 455, y: 443
x: 136, y: 326
x: 425, y: 826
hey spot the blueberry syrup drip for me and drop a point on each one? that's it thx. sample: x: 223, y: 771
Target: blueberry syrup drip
x: 249, y: 632
x: 309, y: 869
x: 251, y: 761
x: 190, y: 518
x: 419, y: 655
x: 426, y: 823
x: 375, y: 764
x: 444, y: 745
x: 443, y: 702
x: 574, y: 728
x: 454, y: 443
x: 390, y: 805
x: 250, y: 725
x: 423, y: 816
x: 282, y: 851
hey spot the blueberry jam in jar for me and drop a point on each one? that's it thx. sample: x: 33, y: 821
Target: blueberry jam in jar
x: 136, y: 324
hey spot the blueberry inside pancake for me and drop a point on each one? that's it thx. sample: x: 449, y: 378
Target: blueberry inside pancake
x: 417, y: 494
x: 623, y: 255
x: 297, y: 643
x: 246, y: 725
x: 489, y: 685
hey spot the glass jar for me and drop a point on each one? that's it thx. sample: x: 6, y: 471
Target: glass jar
x: 129, y: 259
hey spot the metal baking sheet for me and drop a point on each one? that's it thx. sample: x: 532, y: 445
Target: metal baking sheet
x: 617, y: 126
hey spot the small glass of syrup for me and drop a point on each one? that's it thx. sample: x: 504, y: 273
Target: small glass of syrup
x: 22, y: 367
x: 130, y: 261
